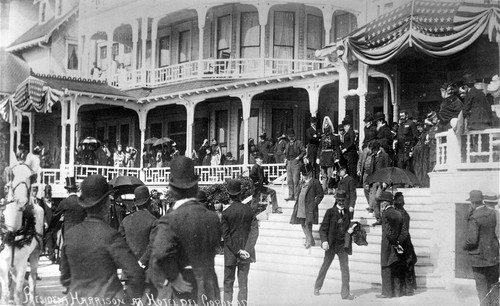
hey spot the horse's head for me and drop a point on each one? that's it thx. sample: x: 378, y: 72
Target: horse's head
x: 19, y: 179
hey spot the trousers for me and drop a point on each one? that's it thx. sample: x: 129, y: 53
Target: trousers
x: 344, y: 268
x: 486, y: 284
x: 229, y: 277
x: 293, y: 177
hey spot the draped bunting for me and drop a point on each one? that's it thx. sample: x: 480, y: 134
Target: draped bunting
x: 31, y: 95
x: 434, y: 28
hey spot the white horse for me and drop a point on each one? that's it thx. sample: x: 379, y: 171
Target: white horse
x: 17, y: 248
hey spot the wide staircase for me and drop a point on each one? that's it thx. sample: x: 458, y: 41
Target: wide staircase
x: 280, y: 246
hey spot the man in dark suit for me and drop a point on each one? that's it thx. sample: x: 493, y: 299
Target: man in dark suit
x: 93, y: 251
x: 349, y: 149
x: 476, y: 109
x: 294, y: 152
x: 348, y: 184
x: 332, y: 233
x: 240, y: 230
x: 482, y: 244
x: 138, y: 227
x: 380, y: 160
x: 370, y: 130
x: 392, y: 266
x: 313, y: 139
x: 186, y: 242
x: 73, y: 213
x: 384, y: 134
x: 259, y: 180
x: 406, y: 139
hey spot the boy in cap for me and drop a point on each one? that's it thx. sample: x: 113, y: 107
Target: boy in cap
x: 183, y: 252
x: 259, y: 180
x: 332, y: 231
x: 483, y: 247
x: 94, y: 246
x: 240, y: 230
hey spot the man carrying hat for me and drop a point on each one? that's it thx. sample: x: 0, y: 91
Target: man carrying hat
x: 186, y: 241
x: 259, y: 180
x: 392, y: 265
x: 294, y: 152
x: 93, y: 251
x: 73, y: 213
x: 332, y: 232
x: 240, y: 230
x: 483, y: 247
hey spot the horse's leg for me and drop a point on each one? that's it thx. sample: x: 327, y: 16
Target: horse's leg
x: 21, y: 265
x: 34, y: 260
x: 4, y: 275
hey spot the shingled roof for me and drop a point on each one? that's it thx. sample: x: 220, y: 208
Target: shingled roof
x: 13, y: 71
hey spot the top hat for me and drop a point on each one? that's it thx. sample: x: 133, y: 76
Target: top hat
x: 70, y: 183
x: 182, y: 174
x: 290, y: 132
x: 491, y: 198
x: 379, y: 116
x: 233, y: 186
x: 94, y: 189
x: 259, y: 155
x: 314, y: 120
x: 475, y: 196
x: 386, y: 196
x: 368, y: 117
x: 341, y: 195
x: 346, y: 121
x: 141, y: 194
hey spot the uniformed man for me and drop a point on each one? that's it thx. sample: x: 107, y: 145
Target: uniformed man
x: 406, y: 139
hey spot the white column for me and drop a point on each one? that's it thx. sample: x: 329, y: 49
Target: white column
x: 31, y: 121
x: 202, y: 16
x: 343, y: 88
x: 142, y: 114
x: 313, y: 93
x: 135, y: 39
x: 395, y: 102
x: 73, y: 118
x: 190, y: 107
x: 64, y: 124
x: 144, y: 38
x: 327, y: 11
x: 15, y: 132
x: 263, y: 11
x: 154, y: 35
x: 362, y: 91
x: 386, y: 97
x: 246, y: 105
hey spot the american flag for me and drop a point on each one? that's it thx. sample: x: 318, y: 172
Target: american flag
x: 6, y: 109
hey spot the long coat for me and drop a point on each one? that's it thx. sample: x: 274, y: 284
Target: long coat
x: 314, y: 195
x: 138, y: 230
x: 477, y: 109
x: 187, y: 237
x: 348, y: 184
x: 73, y: 213
x: 392, y: 224
x: 333, y: 230
x: 482, y: 241
x: 91, y: 254
x: 240, y: 230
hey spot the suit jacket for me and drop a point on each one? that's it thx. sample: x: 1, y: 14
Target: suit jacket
x: 258, y: 178
x: 482, y: 241
x: 370, y: 134
x: 312, y: 142
x: 314, y: 195
x: 392, y: 224
x: 73, y: 213
x: 294, y: 150
x: 138, y: 230
x: 91, y: 254
x: 385, y: 137
x: 240, y: 230
x: 348, y: 184
x: 334, y: 227
x: 380, y: 161
x: 187, y: 236
x: 349, y: 142
x: 477, y: 109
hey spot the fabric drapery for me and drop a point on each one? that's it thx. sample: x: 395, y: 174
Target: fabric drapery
x: 284, y: 23
x: 434, y: 28
x: 6, y: 109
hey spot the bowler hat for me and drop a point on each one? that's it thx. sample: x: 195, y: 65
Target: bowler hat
x: 94, y: 189
x: 368, y: 117
x: 379, y: 116
x: 70, y: 183
x: 141, y: 194
x: 475, y: 196
x: 182, y: 174
x: 290, y: 132
x: 341, y: 195
x: 259, y: 155
x: 386, y: 196
x: 490, y: 198
x: 314, y: 120
x: 233, y: 186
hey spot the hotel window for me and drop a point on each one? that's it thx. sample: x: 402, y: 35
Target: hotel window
x: 284, y: 35
x: 314, y: 34
x: 343, y: 24
x: 103, y: 52
x: 250, y: 35
x: 72, y: 55
x: 221, y: 127
x: 164, y: 52
x: 184, y: 46
x: 223, y: 36
x: 115, y: 49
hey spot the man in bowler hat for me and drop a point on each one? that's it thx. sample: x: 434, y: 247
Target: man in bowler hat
x: 332, y: 232
x: 93, y: 251
x: 259, y: 180
x: 483, y: 247
x: 73, y: 213
x: 240, y: 230
x: 186, y: 241
x: 294, y: 152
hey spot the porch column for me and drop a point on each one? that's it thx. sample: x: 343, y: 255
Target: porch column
x: 142, y: 114
x: 135, y: 39
x: 327, y: 11
x: 263, y: 11
x: 144, y: 40
x: 343, y: 89
x: 31, y: 130
x: 246, y: 105
x: 362, y: 91
x: 73, y: 118
x: 386, y: 98
x: 154, y: 35
x: 15, y: 132
x: 313, y: 90
x: 190, y: 108
x: 202, y: 16
x: 395, y: 102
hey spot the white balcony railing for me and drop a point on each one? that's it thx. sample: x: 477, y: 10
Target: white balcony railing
x: 473, y: 150
x: 243, y: 68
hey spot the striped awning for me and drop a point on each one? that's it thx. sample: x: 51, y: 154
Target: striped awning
x: 434, y: 28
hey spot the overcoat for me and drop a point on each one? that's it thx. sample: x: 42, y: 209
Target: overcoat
x: 348, y: 184
x: 314, y: 195
x: 185, y: 243
x: 477, y: 109
x: 138, y: 231
x: 240, y: 230
x: 91, y: 254
x: 73, y: 213
x: 392, y: 224
x: 482, y: 241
